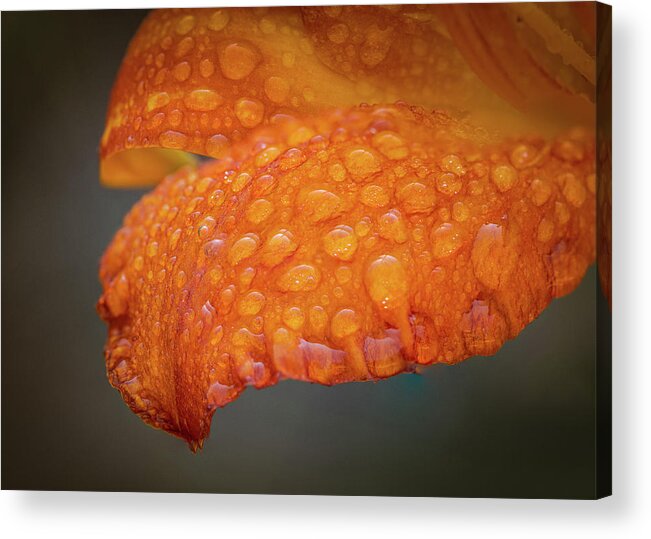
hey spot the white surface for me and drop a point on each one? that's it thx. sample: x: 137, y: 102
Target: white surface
x: 626, y: 514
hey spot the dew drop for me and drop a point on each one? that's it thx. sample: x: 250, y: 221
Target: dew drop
x: 391, y: 145
x: 374, y: 196
x: 182, y: 71
x: 243, y: 248
x: 203, y: 100
x: 185, y: 25
x: 375, y: 47
x: 294, y: 318
x: 277, y: 89
x: 173, y: 139
x: 562, y: 212
x: 180, y: 279
x: 337, y: 172
x: 386, y: 282
x: 362, y: 162
x: 213, y: 248
x: 446, y: 240
x: 217, y: 146
x: 416, y: 198
x: 206, y: 68
x: 340, y: 242
x: 344, y: 323
x: 215, y: 275
x: 591, y: 182
x: 540, y: 192
x: 238, y: 60
x: 522, y: 155
x: 573, y: 189
x: 266, y: 156
x: 184, y: 47
x: 321, y: 205
x: 569, y: 150
x: 504, y: 177
x: 318, y: 318
x: 545, y: 230
x: 391, y: 226
x: 251, y: 304
x: 338, y: 33
x: 218, y: 20
x: 448, y: 183
x: 278, y: 247
x: 240, y: 182
x: 249, y: 111
x: 206, y: 227
x: 152, y: 249
x: 157, y: 101
x: 301, y: 278
x: 174, y: 239
x: 259, y: 210
x: 460, y: 211
x: 363, y: 227
x: 489, y: 256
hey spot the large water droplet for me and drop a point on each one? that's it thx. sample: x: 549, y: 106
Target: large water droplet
x: 386, y: 282
x: 301, y: 278
x: 238, y: 59
x: 243, y: 248
x: 340, y: 242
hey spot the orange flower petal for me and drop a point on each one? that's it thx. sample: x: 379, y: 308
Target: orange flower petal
x: 351, y: 245
x: 198, y: 80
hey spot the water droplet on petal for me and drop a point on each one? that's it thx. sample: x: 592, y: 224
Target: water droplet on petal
x: 338, y: 33
x: 321, y: 205
x: 390, y: 145
x: 251, y: 304
x: 344, y: 323
x: 243, y: 248
x: 391, y: 226
x: 238, y: 60
x: 545, y: 230
x: 301, y: 278
x: 446, y: 240
x: 185, y: 24
x: 362, y: 162
x: 294, y: 318
x: 416, y: 198
x: 573, y: 189
x: 249, y: 112
x: 504, y: 177
x: 203, y: 100
x: 206, y: 226
x: 173, y: 139
x: 217, y: 146
x: 448, y: 183
x: 152, y: 249
x: 460, y: 211
x: 374, y: 196
x: 277, y: 89
x: 218, y: 20
x: 340, y: 242
x: 278, y: 247
x: 157, y: 101
x: 386, y: 282
x: 540, y: 191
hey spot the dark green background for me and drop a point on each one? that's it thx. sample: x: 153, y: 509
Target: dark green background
x: 519, y: 424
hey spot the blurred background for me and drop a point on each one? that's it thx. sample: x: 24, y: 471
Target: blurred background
x: 518, y: 424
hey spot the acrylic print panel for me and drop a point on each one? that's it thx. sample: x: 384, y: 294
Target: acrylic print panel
x: 296, y: 200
